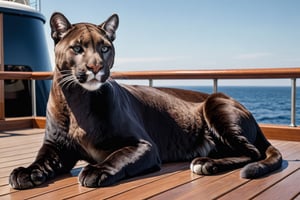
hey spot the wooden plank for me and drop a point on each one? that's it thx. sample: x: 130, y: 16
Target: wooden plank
x: 60, y: 182
x: 139, y: 184
x: 20, y: 145
x: 5, y: 171
x: 208, y: 187
x: 16, y: 123
x: 256, y: 186
x: 290, y: 151
x: 22, y: 123
x: 19, y: 162
x: 155, y: 187
x: 11, y: 140
x: 3, y: 181
x: 52, y: 185
x: 278, y: 132
x: 39, y: 122
x: 285, y: 189
x: 17, y: 154
x: 17, y: 157
x: 68, y: 186
x: 19, y: 123
x: 102, y: 193
x: 25, y: 132
x: 18, y: 148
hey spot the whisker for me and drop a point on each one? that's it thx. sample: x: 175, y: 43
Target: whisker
x: 66, y: 71
x: 65, y: 75
x: 66, y: 81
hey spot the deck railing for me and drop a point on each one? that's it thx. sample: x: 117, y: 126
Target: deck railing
x: 267, y: 73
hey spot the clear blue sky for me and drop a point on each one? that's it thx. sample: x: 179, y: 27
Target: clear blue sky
x: 194, y: 34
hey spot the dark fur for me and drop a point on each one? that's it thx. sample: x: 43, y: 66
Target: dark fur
x: 124, y: 131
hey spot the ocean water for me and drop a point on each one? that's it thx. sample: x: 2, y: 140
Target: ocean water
x: 270, y: 105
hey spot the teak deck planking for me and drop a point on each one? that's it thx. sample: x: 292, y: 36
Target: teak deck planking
x: 174, y: 181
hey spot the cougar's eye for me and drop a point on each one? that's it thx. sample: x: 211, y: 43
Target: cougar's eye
x: 77, y: 49
x: 104, y: 49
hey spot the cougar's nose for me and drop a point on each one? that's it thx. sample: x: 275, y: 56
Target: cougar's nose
x: 94, y: 68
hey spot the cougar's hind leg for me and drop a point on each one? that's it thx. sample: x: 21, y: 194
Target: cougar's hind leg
x: 233, y: 126
x: 271, y: 159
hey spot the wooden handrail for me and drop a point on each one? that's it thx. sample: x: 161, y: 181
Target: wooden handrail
x: 259, y: 73
x: 5, y: 75
x: 262, y: 73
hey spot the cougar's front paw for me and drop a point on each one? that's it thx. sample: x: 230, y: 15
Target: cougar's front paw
x: 96, y: 176
x: 203, y: 166
x: 24, y: 178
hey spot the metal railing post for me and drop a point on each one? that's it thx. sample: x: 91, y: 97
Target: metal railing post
x: 33, y: 98
x: 151, y: 82
x: 215, y: 86
x: 293, y: 102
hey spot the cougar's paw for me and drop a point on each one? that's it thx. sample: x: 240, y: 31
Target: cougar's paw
x: 203, y: 166
x: 24, y: 178
x: 96, y: 176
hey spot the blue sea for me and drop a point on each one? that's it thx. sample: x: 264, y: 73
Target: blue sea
x: 270, y: 105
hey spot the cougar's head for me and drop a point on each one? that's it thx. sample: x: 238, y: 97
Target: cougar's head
x: 84, y: 52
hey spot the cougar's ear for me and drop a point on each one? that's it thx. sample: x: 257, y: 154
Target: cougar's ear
x: 110, y: 26
x: 59, y: 26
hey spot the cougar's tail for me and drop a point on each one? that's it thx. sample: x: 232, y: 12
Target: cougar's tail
x: 271, y: 162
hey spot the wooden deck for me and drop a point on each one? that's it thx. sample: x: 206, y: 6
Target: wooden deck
x: 174, y: 181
